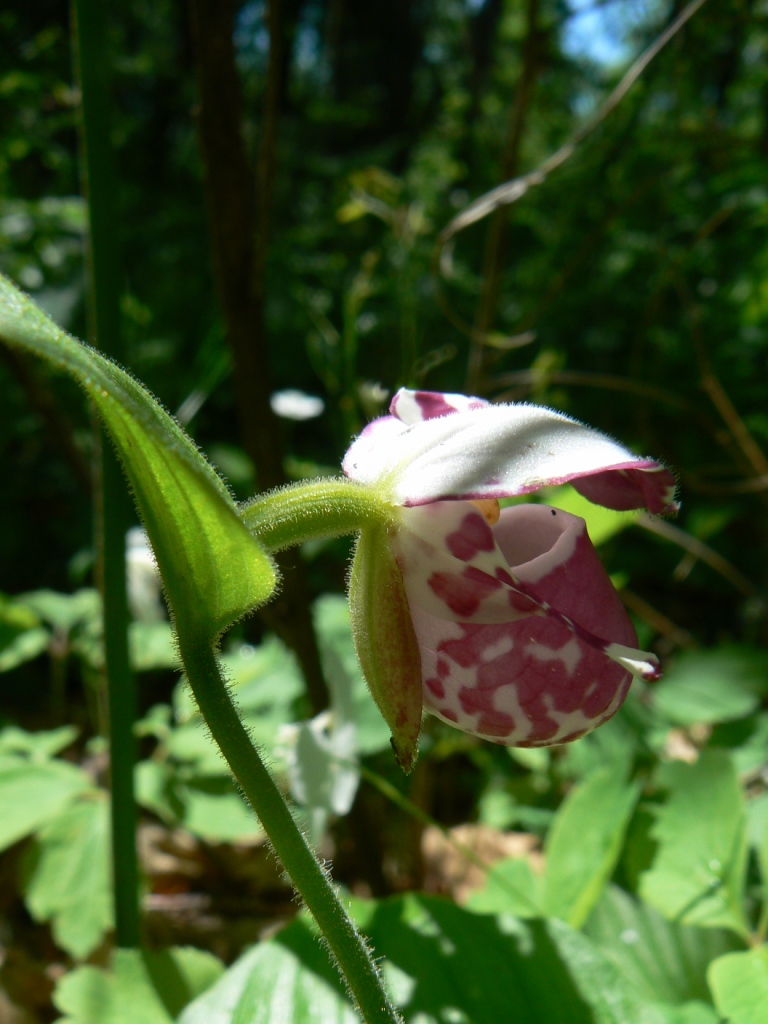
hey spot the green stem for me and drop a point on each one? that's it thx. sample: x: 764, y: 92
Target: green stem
x: 347, y: 945
x: 329, y: 507
x: 113, y: 509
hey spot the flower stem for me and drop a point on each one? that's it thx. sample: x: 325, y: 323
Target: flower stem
x: 347, y: 946
x: 329, y: 507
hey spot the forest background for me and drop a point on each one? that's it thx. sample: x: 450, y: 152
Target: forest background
x: 283, y: 173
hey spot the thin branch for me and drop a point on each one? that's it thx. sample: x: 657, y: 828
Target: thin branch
x: 699, y: 550
x: 511, y: 191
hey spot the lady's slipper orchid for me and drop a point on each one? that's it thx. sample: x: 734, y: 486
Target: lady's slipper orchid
x: 502, y: 623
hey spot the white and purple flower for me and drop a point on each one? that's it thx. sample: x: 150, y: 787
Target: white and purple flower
x: 512, y: 629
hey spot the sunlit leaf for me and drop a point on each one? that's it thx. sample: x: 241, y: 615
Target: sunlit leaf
x: 584, y: 843
x: 213, y: 569
x: 661, y: 959
x: 712, y: 686
x: 32, y: 793
x: 70, y: 883
x: 739, y: 983
x: 151, y: 987
x: 442, y: 963
x: 698, y: 874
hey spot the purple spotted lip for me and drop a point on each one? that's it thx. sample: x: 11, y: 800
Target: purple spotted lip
x: 521, y: 636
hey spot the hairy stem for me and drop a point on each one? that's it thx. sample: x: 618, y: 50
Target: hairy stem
x: 347, y: 946
x: 322, y: 508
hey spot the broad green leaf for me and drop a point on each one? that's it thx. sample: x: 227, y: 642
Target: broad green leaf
x: 214, y: 810
x: 64, y: 611
x: 22, y: 638
x: 211, y: 808
x: 24, y: 647
x: 712, y: 686
x: 661, y: 959
x: 32, y: 793
x: 38, y: 745
x: 213, y: 569
x: 442, y: 964
x: 584, y: 843
x: 146, y: 987
x: 739, y: 983
x: 276, y: 983
x: 510, y: 888
x: 70, y: 883
x: 698, y: 873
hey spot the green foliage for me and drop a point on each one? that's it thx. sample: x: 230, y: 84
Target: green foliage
x: 147, y: 986
x: 698, y: 873
x: 638, y: 271
x: 442, y: 963
x: 739, y: 983
x: 584, y: 844
x: 713, y: 686
x: 662, y: 959
x: 69, y: 884
x: 35, y: 791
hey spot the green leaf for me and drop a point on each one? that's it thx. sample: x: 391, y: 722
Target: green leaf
x: 150, y: 987
x: 662, y: 960
x: 442, y: 964
x: 215, y: 811
x: 698, y: 873
x: 64, y: 611
x: 712, y: 686
x: 70, y: 883
x: 33, y: 793
x: 38, y: 745
x: 739, y: 983
x: 322, y: 772
x: 213, y: 569
x: 22, y: 638
x: 584, y: 843
x: 510, y: 888
x: 25, y: 647
x: 275, y: 983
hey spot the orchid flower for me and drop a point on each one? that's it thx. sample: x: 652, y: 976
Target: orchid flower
x: 501, y: 622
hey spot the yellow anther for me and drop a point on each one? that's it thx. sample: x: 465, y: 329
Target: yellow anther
x: 490, y: 510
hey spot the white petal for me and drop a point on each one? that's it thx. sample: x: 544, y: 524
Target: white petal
x: 498, y: 451
x: 415, y: 406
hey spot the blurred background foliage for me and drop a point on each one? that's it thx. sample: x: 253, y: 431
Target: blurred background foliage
x: 628, y: 290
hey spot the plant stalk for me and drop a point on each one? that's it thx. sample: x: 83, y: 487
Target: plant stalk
x: 329, y: 507
x: 347, y: 946
x: 113, y: 509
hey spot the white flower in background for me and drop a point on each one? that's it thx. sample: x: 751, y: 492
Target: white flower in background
x: 293, y: 404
